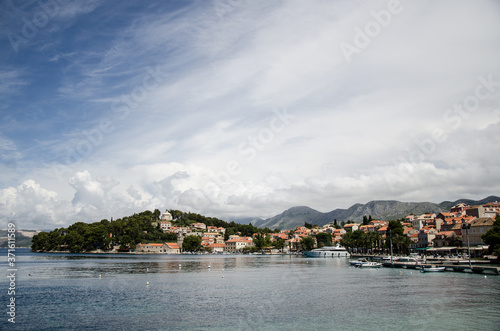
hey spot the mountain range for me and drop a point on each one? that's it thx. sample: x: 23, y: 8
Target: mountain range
x: 379, y: 209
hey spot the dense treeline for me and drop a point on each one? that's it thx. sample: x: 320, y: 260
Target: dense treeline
x: 129, y: 231
x: 126, y: 233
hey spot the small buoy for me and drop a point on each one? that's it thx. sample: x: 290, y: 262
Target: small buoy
x: 209, y: 267
x: 179, y: 265
x: 222, y: 276
x: 99, y: 276
x: 29, y: 274
x: 485, y: 276
x: 147, y: 283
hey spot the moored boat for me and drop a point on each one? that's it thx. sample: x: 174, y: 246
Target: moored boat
x: 432, y: 269
x: 328, y: 251
x: 368, y: 265
x: 355, y: 262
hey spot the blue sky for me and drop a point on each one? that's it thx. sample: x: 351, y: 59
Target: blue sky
x: 243, y: 108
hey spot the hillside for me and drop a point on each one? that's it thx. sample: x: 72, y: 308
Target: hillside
x: 379, y: 209
x: 23, y: 238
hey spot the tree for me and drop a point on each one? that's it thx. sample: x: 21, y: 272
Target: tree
x: 308, y: 225
x: 260, y: 241
x: 365, y: 220
x: 324, y: 239
x: 492, y: 238
x: 401, y: 242
x: 279, y: 244
x: 307, y: 243
x: 191, y: 243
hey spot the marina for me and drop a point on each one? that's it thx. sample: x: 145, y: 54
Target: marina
x: 447, y: 267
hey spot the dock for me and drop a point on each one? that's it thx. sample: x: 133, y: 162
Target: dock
x: 448, y: 267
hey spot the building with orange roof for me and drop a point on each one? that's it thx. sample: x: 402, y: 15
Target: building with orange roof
x: 199, y: 226
x: 158, y: 248
x: 351, y: 227
x: 426, y: 237
x: 172, y: 248
x: 445, y: 238
x: 217, y: 247
x: 459, y: 208
x: 238, y: 244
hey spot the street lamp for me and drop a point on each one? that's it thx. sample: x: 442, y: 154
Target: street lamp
x: 466, y: 227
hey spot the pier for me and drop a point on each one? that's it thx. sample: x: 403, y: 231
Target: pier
x: 448, y: 267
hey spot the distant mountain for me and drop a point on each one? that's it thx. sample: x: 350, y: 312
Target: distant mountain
x: 379, y: 209
x: 293, y: 217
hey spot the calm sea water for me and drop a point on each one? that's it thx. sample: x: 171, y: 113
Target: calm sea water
x: 240, y: 292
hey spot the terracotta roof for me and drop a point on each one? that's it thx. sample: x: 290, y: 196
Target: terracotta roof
x: 173, y: 245
x: 217, y: 246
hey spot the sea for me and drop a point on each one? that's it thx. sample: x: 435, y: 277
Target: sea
x: 236, y: 292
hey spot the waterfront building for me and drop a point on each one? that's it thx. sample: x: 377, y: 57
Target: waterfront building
x: 478, y: 227
x: 217, y: 247
x: 237, y: 244
x: 425, y: 237
x: 445, y: 238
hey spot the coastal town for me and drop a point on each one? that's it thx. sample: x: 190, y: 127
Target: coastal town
x: 458, y: 231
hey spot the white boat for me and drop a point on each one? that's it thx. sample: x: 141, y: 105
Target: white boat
x: 368, y: 265
x: 328, y: 251
x: 390, y: 259
x: 432, y: 269
x: 355, y: 262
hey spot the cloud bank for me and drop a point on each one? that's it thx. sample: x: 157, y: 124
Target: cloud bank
x: 244, y: 108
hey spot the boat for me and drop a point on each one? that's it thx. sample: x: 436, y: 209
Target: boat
x: 432, y: 269
x: 328, y: 251
x: 355, y: 262
x: 390, y: 259
x: 369, y: 265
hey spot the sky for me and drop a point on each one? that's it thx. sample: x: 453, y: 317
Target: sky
x: 235, y: 108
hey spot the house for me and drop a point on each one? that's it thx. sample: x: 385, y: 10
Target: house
x: 150, y: 248
x: 459, y: 208
x: 426, y: 237
x: 158, y: 248
x: 420, y: 221
x: 478, y: 227
x: 492, y: 207
x: 165, y: 225
x: 447, y: 216
x: 445, y: 238
x: 351, y: 227
x: 166, y: 216
x: 172, y: 248
x: 237, y: 244
x: 383, y: 230
x: 199, y: 226
x: 414, y: 240
x: 481, y: 211
x: 216, y: 247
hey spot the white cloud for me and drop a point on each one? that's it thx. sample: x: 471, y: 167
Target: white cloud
x: 204, y: 137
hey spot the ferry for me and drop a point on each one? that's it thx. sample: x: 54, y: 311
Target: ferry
x: 328, y: 251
